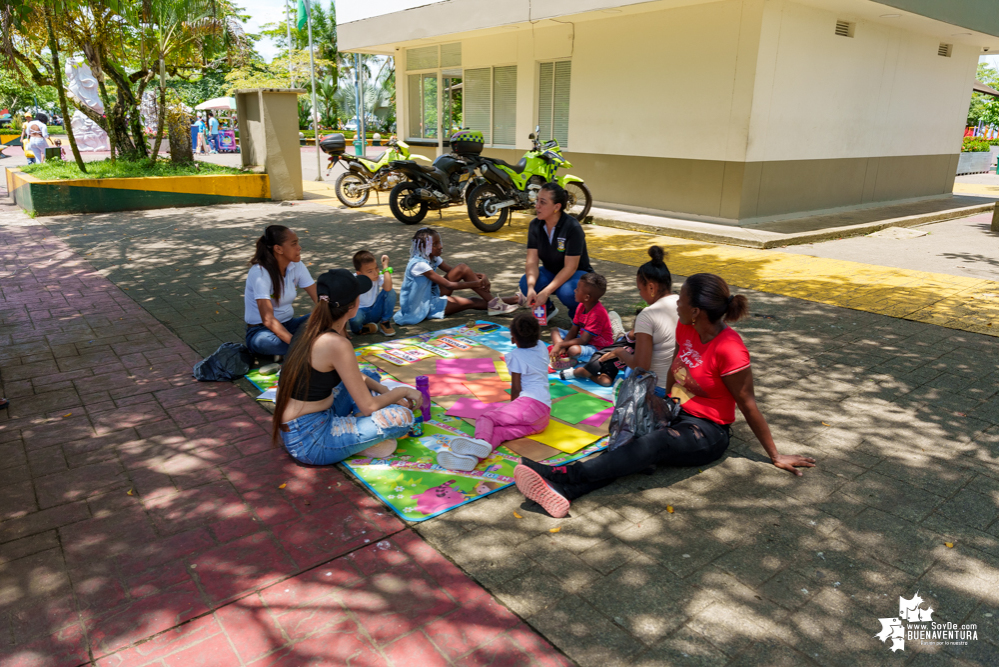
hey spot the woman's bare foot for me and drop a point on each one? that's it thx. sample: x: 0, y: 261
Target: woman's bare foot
x: 381, y: 450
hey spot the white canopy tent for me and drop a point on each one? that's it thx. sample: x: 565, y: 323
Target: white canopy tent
x: 228, y: 103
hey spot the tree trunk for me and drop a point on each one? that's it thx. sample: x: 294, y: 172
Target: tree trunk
x: 63, y: 106
x: 179, y: 134
x: 160, y: 114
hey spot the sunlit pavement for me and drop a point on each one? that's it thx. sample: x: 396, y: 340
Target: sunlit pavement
x: 751, y: 566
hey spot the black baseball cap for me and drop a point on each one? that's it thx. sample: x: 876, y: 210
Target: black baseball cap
x: 342, y: 286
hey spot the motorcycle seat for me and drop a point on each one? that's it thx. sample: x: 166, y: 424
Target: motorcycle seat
x: 516, y: 168
x: 423, y: 167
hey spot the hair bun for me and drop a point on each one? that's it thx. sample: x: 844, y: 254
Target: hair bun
x: 657, y: 254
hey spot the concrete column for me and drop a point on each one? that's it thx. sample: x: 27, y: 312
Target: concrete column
x: 268, y: 137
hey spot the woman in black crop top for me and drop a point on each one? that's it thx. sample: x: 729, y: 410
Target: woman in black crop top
x: 327, y: 408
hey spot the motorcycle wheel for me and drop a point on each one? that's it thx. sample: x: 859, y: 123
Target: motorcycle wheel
x: 347, y: 190
x: 478, y: 208
x: 405, y: 207
x: 580, y: 200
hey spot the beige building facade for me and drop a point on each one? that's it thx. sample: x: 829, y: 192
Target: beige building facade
x: 733, y: 111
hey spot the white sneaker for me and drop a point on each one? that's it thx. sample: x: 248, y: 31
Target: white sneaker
x: 617, y: 326
x: 480, y: 449
x: 497, y: 307
x: 451, y: 461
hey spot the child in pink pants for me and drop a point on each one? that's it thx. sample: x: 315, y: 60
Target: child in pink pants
x: 527, y: 412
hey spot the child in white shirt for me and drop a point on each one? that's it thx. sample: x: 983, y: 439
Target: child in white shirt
x: 375, y: 307
x: 527, y: 412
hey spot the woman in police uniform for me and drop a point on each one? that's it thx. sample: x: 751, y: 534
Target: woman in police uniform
x: 556, y: 253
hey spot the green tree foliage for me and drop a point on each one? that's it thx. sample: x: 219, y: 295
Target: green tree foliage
x: 127, y: 45
x: 985, y: 107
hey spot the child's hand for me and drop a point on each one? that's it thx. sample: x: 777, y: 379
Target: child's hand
x: 385, y: 261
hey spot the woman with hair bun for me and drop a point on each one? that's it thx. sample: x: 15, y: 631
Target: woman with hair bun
x: 276, y: 271
x: 710, y: 376
x: 655, y: 326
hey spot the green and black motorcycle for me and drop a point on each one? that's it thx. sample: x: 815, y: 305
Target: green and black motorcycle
x: 515, y: 187
x: 364, y: 175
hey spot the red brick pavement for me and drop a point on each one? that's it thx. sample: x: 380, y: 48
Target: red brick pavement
x: 147, y: 519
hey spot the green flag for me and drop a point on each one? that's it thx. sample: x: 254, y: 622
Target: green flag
x: 303, y: 14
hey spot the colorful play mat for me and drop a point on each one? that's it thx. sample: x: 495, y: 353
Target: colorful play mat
x: 467, y: 371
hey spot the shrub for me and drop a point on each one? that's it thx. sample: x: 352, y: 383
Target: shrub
x: 974, y: 145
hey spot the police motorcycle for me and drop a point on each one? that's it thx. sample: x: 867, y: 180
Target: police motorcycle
x: 440, y: 185
x: 510, y: 187
x: 363, y: 175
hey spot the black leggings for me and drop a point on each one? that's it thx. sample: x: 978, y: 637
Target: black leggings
x: 688, y: 441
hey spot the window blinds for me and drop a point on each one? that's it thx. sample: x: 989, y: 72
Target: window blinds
x: 476, y: 102
x: 553, y: 101
x: 505, y: 105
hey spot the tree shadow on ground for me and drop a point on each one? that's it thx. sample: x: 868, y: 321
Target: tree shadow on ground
x: 148, y: 514
x: 752, y: 562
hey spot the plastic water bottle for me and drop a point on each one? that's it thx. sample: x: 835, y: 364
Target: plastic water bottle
x: 419, y: 416
x: 423, y: 386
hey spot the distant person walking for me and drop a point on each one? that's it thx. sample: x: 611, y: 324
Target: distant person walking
x: 37, y: 134
x: 213, y: 132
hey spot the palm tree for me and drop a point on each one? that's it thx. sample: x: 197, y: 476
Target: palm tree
x: 176, y: 25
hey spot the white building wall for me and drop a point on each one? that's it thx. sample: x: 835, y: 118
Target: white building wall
x: 665, y: 84
x: 884, y: 91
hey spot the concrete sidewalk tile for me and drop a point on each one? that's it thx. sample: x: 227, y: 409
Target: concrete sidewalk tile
x: 316, y: 537
x: 251, y: 628
x: 106, y: 537
x: 391, y: 604
x: 172, y: 641
x: 216, y: 651
x: 65, y: 648
x: 240, y: 567
x: 78, y: 483
x: 194, y: 507
x: 27, y: 546
x: 43, y: 520
x: 41, y: 615
x: 134, y: 621
x: 470, y: 627
x: 416, y: 650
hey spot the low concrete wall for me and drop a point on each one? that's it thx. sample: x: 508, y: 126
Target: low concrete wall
x: 103, y: 195
x: 974, y: 163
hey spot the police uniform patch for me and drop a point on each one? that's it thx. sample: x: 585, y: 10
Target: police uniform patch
x: 561, y: 245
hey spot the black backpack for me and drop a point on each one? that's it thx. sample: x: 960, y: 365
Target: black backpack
x: 230, y: 361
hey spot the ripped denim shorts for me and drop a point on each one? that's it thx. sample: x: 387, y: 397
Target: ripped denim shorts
x: 328, y: 437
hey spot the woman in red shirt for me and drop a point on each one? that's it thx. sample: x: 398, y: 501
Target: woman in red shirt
x: 710, y: 375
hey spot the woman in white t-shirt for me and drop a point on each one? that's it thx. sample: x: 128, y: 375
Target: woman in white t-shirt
x: 655, y: 326
x: 276, y: 273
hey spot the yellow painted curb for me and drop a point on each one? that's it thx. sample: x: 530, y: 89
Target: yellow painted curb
x: 955, y: 302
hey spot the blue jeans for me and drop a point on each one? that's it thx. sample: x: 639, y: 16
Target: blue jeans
x: 328, y: 437
x: 261, y: 340
x: 213, y: 141
x: 586, y: 351
x: 565, y: 293
x: 380, y: 311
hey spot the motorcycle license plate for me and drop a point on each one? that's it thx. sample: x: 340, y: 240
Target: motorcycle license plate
x: 463, y: 177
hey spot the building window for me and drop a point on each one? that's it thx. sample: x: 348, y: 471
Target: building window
x: 422, y: 94
x: 490, y: 103
x: 553, y: 101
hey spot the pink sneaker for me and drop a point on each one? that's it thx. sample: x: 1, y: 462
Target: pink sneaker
x: 536, y: 488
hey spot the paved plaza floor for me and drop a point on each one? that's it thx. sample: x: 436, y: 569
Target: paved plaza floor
x: 148, y: 519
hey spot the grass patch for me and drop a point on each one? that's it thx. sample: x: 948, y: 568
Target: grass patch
x: 55, y: 170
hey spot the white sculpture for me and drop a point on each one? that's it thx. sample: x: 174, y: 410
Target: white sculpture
x: 149, y: 109
x: 81, y: 85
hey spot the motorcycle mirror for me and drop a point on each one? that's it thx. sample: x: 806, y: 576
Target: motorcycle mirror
x: 537, y: 128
